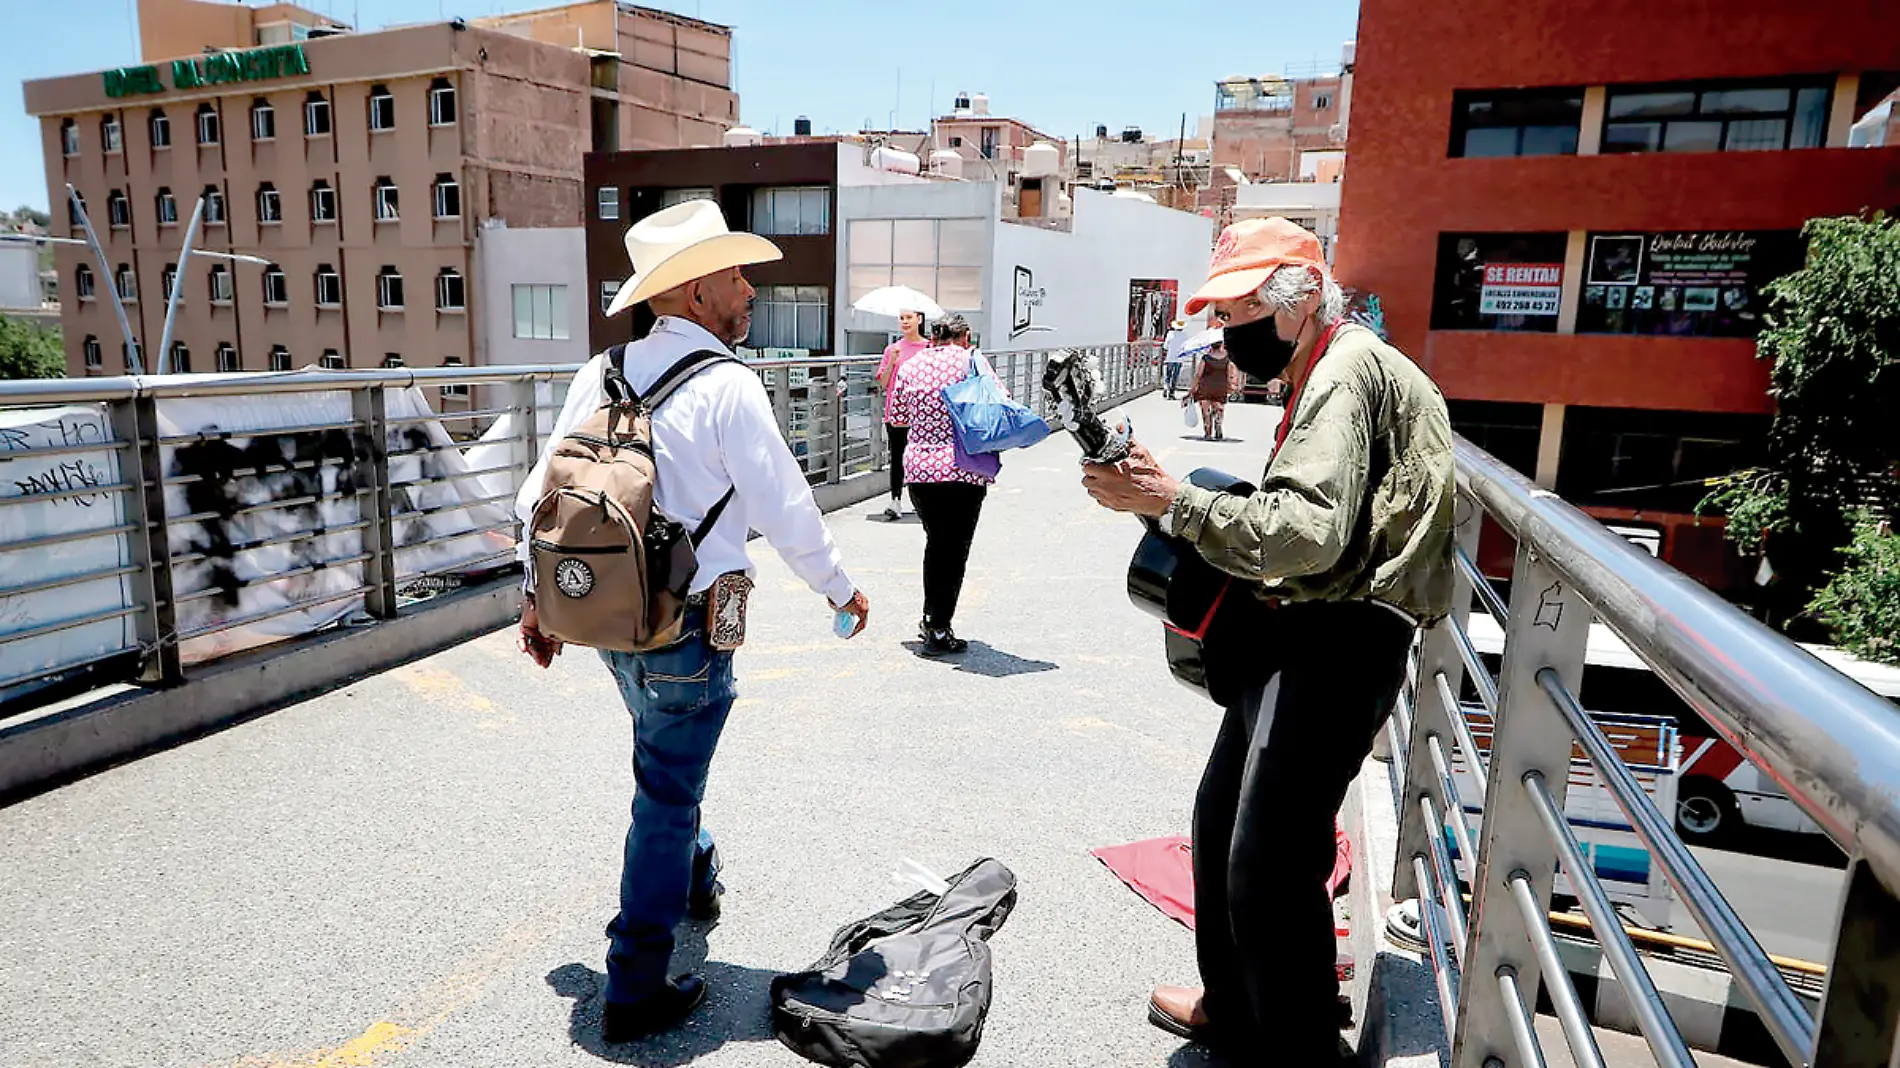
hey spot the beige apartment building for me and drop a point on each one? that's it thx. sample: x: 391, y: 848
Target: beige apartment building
x: 416, y: 191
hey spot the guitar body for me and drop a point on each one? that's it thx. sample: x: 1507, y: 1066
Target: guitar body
x: 1169, y: 579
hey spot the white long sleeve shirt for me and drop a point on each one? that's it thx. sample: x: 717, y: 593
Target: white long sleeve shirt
x: 715, y: 432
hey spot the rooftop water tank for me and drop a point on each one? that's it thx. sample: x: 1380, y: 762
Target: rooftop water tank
x: 946, y: 162
x: 980, y: 104
x: 895, y: 160
x: 961, y: 105
x: 1347, y: 52
x: 801, y: 127
x: 1041, y: 160
x: 1101, y: 132
x: 1131, y: 135
x: 742, y: 137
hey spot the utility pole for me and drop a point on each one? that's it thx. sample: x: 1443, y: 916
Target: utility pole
x: 1180, y: 152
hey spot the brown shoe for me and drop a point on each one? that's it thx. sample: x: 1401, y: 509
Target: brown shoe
x: 1179, y: 1010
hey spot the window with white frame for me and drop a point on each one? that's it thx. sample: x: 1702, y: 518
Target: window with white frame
x: 128, y: 283
x: 69, y: 138
x: 384, y: 195
x: 608, y: 287
x: 328, y: 286
x: 322, y: 202
x: 448, y: 291
x: 441, y: 103
x: 276, y: 286
x: 330, y: 360
x: 392, y: 360
x: 270, y: 207
x: 207, y: 124
x: 133, y: 354
x: 92, y: 353
x: 670, y: 197
x: 167, y: 207
x: 942, y: 258
x: 448, y: 197
x: 181, y: 359
x: 541, y: 312
x: 316, y: 115
x: 791, y: 317
x: 161, y: 129
x: 220, y: 281
x: 111, y: 135
x: 228, y: 358
x: 84, y: 286
x: 214, y: 206
x: 389, y: 289
x: 167, y: 278
x: 607, y: 202
x: 118, y: 210
x: 459, y: 389
x: 382, y: 109
x: 791, y: 210
x: 263, y: 120
x: 279, y: 358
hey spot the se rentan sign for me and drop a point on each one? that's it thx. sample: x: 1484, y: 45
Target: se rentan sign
x: 222, y: 68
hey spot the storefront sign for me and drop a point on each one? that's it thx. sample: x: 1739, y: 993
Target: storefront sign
x: 1521, y: 289
x: 256, y: 65
x: 1705, y: 283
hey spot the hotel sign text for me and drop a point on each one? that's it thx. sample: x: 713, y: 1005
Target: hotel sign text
x: 256, y: 65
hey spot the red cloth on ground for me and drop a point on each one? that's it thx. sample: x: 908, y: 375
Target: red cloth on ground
x: 1161, y: 870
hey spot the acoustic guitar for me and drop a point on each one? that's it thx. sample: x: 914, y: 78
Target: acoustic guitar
x: 1168, y: 578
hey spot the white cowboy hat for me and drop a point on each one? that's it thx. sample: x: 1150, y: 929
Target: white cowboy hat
x: 675, y: 245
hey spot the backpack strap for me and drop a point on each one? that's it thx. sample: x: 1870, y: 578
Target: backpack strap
x: 613, y: 378
x: 673, y: 378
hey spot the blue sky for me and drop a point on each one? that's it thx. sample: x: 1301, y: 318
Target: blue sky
x: 1061, y: 67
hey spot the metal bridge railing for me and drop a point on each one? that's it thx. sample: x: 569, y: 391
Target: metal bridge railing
x: 1834, y: 746
x: 150, y: 523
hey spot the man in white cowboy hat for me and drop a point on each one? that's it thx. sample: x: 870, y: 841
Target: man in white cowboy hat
x: 716, y: 433
x: 1175, y: 357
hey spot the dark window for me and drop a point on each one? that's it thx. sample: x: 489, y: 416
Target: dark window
x: 988, y: 137
x: 459, y: 389
x: 1498, y: 281
x: 207, y: 125
x: 1507, y: 431
x: 382, y: 109
x: 392, y: 360
x: 161, y: 129
x: 316, y: 115
x: 68, y: 137
x: 228, y: 358
x: 441, y: 103
x: 95, y: 357
x: 279, y: 358
x: 1516, y: 122
x: 1683, y: 283
x: 1653, y: 460
x: 330, y: 361
x: 181, y: 359
x: 1717, y: 117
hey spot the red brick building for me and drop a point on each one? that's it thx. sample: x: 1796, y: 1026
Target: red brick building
x: 1572, y: 230
x: 1262, y: 125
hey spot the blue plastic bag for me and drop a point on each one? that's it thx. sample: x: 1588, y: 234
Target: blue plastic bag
x: 985, y: 419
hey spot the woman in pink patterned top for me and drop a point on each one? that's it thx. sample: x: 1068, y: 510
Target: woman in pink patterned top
x: 948, y: 499
x: 899, y: 351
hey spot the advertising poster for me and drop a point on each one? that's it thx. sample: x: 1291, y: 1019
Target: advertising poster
x: 1151, y: 306
x: 1521, y: 289
x: 1686, y: 283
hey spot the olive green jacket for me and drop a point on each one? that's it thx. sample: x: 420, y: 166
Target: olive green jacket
x: 1357, y: 504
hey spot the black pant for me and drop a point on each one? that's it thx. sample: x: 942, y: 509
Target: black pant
x: 899, y: 436
x: 1263, y: 821
x: 948, y: 511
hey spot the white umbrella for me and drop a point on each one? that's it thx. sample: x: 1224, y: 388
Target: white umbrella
x: 1206, y: 339
x: 888, y: 301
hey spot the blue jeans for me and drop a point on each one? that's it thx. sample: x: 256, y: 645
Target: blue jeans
x: 678, y: 697
x: 1172, y: 381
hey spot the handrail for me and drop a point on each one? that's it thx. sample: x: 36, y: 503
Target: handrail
x: 1832, y: 745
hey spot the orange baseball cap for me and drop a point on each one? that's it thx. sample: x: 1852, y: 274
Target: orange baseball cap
x: 1251, y: 250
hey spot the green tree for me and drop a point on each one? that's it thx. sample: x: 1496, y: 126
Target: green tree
x: 27, y: 351
x: 28, y: 213
x: 1833, y: 332
x: 1861, y: 603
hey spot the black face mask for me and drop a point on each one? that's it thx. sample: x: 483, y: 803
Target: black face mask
x: 1256, y: 348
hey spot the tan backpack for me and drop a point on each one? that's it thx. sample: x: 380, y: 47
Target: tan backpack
x: 610, y: 570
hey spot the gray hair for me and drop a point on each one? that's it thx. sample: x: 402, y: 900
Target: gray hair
x: 1292, y: 283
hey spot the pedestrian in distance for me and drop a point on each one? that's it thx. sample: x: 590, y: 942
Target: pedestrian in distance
x: 720, y: 468
x: 1174, y: 357
x: 896, y: 354
x: 1340, y: 556
x: 1214, y: 381
x: 948, y: 497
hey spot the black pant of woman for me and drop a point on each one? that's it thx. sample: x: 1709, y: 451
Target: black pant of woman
x: 948, y: 511
x: 900, y: 436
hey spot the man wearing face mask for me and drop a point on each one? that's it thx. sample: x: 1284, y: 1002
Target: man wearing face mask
x: 1345, y: 550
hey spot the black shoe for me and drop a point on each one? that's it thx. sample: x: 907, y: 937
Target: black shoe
x: 706, y: 907
x: 941, y: 640
x: 627, y: 1021
x: 891, y: 514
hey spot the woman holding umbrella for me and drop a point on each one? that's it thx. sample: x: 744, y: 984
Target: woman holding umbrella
x: 911, y: 322
x: 1215, y: 379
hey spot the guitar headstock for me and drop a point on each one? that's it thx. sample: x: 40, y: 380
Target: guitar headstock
x: 1071, y: 387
